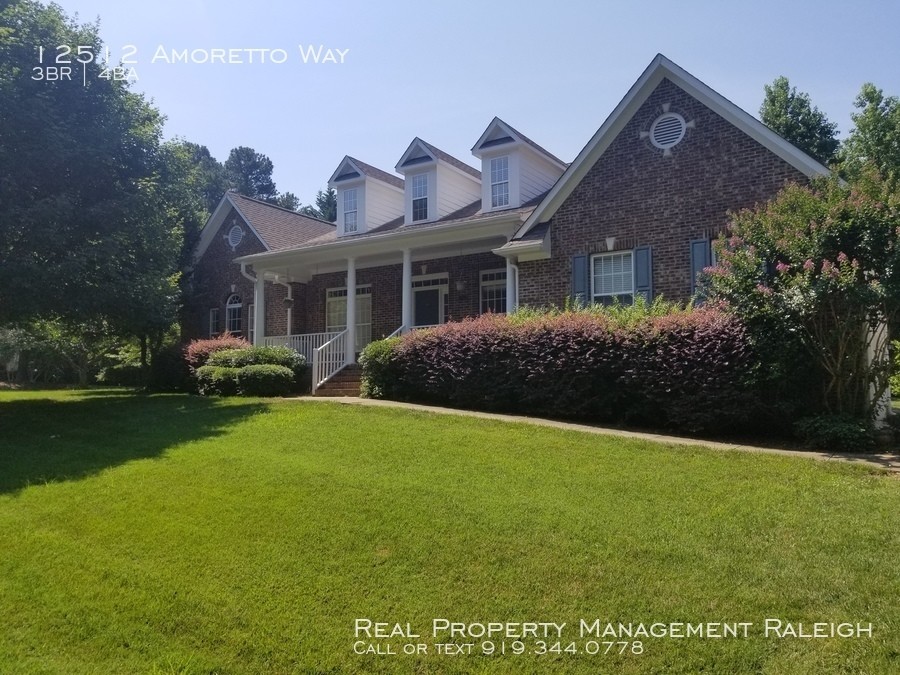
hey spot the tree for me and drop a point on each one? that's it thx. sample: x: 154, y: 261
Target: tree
x: 79, y: 211
x: 791, y: 114
x: 325, y: 208
x: 250, y: 173
x: 288, y: 200
x: 821, y: 264
x: 875, y: 137
x: 212, y: 178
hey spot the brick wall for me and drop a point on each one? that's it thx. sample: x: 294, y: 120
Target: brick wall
x: 640, y: 197
x: 386, y: 283
x: 212, y: 280
x: 213, y: 277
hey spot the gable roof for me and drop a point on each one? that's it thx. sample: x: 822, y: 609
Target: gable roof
x: 275, y: 227
x: 662, y: 68
x: 435, y: 154
x: 360, y: 168
x: 513, y: 134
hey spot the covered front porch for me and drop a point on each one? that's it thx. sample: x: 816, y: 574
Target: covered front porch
x: 396, y: 291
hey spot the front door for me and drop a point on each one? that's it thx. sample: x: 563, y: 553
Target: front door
x: 427, y: 307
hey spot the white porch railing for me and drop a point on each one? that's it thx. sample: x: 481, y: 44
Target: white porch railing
x: 328, y: 359
x: 305, y: 344
x: 397, y: 332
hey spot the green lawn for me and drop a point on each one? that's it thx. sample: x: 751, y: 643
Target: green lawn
x: 178, y: 534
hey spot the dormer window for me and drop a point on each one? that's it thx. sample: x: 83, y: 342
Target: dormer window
x: 420, y: 197
x: 350, y: 211
x: 499, y: 182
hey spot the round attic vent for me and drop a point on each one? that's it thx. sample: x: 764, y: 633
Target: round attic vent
x: 235, y: 235
x: 667, y: 131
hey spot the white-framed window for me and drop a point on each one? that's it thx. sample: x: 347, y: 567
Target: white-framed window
x: 420, y: 197
x: 493, y: 291
x: 612, y: 277
x: 499, y: 182
x: 251, y: 322
x: 213, y: 322
x: 431, y: 299
x: 336, y: 313
x: 233, y: 307
x: 350, y: 210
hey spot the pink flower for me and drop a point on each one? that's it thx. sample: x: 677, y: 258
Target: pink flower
x: 809, y: 265
x: 842, y: 257
x: 782, y: 267
x: 765, y: 290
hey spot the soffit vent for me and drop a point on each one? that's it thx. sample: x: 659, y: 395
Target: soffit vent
x: 235, y: 236
x: 668, y: 130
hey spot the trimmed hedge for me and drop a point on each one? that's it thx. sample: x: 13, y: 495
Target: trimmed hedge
x: 691, y: 370
x: 217, y: 381
x: 252, y: 371
x: 265, y: 380
x: 256, y: 356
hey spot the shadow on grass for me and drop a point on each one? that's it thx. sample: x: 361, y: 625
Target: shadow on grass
x: 54, y: 439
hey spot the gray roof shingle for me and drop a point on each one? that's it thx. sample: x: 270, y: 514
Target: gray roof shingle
x: 280, y: 228
x: 378, y: 174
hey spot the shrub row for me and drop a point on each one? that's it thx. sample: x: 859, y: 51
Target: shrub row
x: 251, y: 371
x: 691, y: 370
x: 254, y: 380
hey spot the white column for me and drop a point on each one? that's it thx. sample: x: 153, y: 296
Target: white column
x: 406, y: 316
x: 351, y: 311
x: 259, y: 308
x: 511, y: 299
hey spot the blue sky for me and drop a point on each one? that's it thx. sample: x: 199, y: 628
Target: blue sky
x: 554, y: 70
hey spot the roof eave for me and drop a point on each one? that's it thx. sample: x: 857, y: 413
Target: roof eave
x: 492, y: 226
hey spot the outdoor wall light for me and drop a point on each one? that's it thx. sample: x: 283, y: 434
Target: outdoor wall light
x: 460, y: 285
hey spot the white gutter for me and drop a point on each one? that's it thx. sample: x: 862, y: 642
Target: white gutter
x: 246, y: 274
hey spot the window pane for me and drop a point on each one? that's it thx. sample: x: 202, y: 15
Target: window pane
x: 420, y: 186
x: 613, y: 276
x: 420, y: 209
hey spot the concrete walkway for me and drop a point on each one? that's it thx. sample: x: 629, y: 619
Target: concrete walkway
x: 889, y: 461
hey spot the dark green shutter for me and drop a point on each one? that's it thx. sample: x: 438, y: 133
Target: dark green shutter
x: 643, y: 273
x: 581, y: 282
x: 699, y: 260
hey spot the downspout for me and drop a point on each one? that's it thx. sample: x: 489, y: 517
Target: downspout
x: 246, y: 274
x: 514, y: 302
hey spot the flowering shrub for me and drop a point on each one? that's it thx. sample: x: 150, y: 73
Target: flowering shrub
x: 198, y: 351
x: 815, y: 275
x: 690, y: 371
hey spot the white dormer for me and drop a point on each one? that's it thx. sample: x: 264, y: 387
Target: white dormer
x: 437, y: 184
x: 366, y: 197
x: 515, y: 168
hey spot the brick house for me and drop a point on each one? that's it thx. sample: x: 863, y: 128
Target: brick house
x: 634, y: 213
